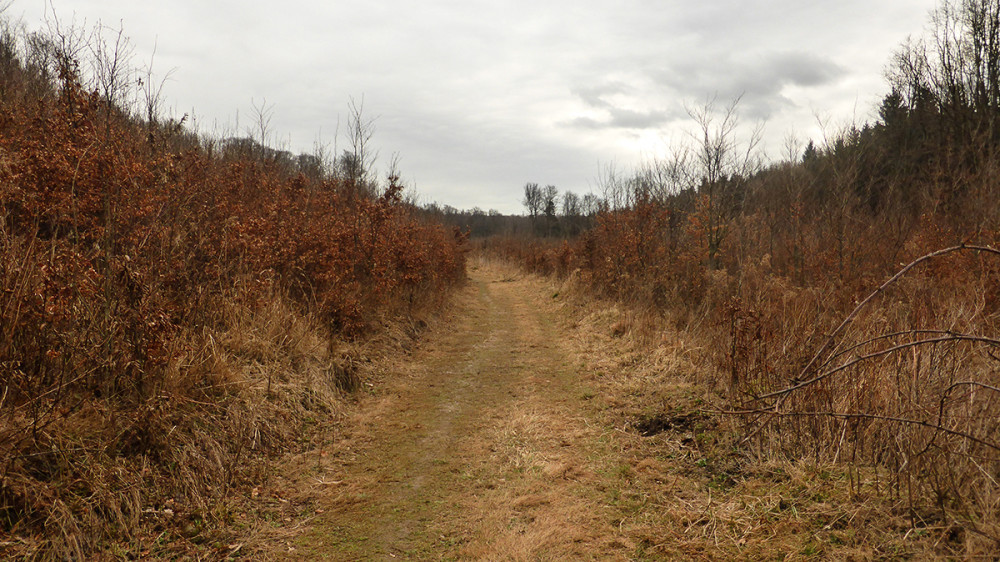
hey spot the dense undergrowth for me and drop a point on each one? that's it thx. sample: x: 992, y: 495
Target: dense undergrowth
x: 172, y: 308
x: 822, y: 352
x: 882, y: 359
x: 850, y: 296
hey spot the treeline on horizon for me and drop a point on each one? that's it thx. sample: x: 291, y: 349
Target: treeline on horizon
x: 171, y: 304
x: 849, y: 296
x: 549, y: 214
x: 925, y: 165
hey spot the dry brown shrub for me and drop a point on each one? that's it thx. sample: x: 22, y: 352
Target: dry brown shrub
x: 905, y: 394
x: 172, y: 315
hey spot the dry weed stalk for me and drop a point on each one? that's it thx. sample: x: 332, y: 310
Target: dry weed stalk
x: 918, y: 403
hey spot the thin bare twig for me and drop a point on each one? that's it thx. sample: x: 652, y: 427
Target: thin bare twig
x: 804, y: 382
x: 880, y: 353
x: 947, y: 391
x: 862, y: 415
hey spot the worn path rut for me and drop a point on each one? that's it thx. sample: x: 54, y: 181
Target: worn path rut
x: 479, y: 446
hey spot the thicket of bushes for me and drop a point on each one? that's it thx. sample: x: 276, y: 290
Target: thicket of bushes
x: 169, y: 304
x: 786, y: 266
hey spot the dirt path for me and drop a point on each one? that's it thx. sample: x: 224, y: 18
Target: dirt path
x: 479, y: 448
x: 529, y: 427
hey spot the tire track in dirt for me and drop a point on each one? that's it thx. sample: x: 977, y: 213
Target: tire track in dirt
x: 477, y: 448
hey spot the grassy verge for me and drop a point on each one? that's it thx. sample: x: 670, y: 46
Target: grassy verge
x: 689, y: 483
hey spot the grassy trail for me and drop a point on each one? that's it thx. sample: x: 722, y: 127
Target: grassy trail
x: 479, y: 447
x: 521, y: 429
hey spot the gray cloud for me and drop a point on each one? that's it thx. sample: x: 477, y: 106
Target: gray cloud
x: 594, y: 96
x: 604, y: 99
x: 758, y: 79
x: 618, y: 118
x: 804, y: 69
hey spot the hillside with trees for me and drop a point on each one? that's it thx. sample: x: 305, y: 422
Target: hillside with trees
x: 847, y: 294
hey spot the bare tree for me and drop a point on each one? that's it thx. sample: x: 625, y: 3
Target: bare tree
x: 570, y: 204
x: 591, y: 204
x: 571, y: 217
x: 110, y: 60
x: 361, y: 161
x: 550, y: 201
x: 151, y: 91
x: 10, y: 61
x: 261, y: 132
x: 393, y: 183
x: 957, y: 68
x: 55, y: 55
x: 324, y: 155
x: 662, y: 178
x: 613, y: 186
x: 724, y: 166
x: 532, y: 199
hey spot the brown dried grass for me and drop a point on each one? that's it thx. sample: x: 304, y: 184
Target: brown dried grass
x: 693, y: 490
x: 173, y: 474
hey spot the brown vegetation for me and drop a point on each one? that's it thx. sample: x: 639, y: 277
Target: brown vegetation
x: 782, y: 271
x: 172, y: 308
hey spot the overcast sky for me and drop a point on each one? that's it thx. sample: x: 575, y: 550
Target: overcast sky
x: 479, y: 98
